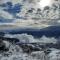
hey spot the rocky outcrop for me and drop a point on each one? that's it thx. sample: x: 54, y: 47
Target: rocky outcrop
x: 3, y: 46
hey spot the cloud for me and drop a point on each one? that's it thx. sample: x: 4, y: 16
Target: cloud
x: 30, y: 12
x: 3, y: 1
x: 4, y: 20
x: 36, y: 13
x: 5, y: 14
x: 10, y: 8
x: 48, y: 40
x: 30, y: 23
x: 24, y: 38
x: 13, y: 1
x: 16, y: 1
x: 8, y: 12
x: 8, y: 25
x: 29, y: 38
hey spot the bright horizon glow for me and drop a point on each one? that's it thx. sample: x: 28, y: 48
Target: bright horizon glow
x: 44, y: 3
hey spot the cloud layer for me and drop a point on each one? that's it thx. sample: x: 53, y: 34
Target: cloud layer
x: 23, y: 12
x: 25, y: 38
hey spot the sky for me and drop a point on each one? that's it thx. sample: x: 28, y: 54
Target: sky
x: 29, y: 13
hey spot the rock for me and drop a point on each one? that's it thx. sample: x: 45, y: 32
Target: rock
x: 28, y: 48
x: 38, y: 55
x: 3, y: 46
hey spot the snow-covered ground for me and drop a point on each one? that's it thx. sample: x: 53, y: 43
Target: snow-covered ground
x: 16, y: 52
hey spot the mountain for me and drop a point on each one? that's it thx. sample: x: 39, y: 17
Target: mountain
x: 52, y: 31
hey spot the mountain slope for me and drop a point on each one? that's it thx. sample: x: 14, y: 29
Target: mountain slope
x: 52, y: 31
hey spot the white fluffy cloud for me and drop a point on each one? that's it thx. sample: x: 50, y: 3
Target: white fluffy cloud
x: 48, y: 40
x: 29, y: 38
x: 24, y: 38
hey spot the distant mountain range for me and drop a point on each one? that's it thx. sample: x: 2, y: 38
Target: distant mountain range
x: 52, y: 31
